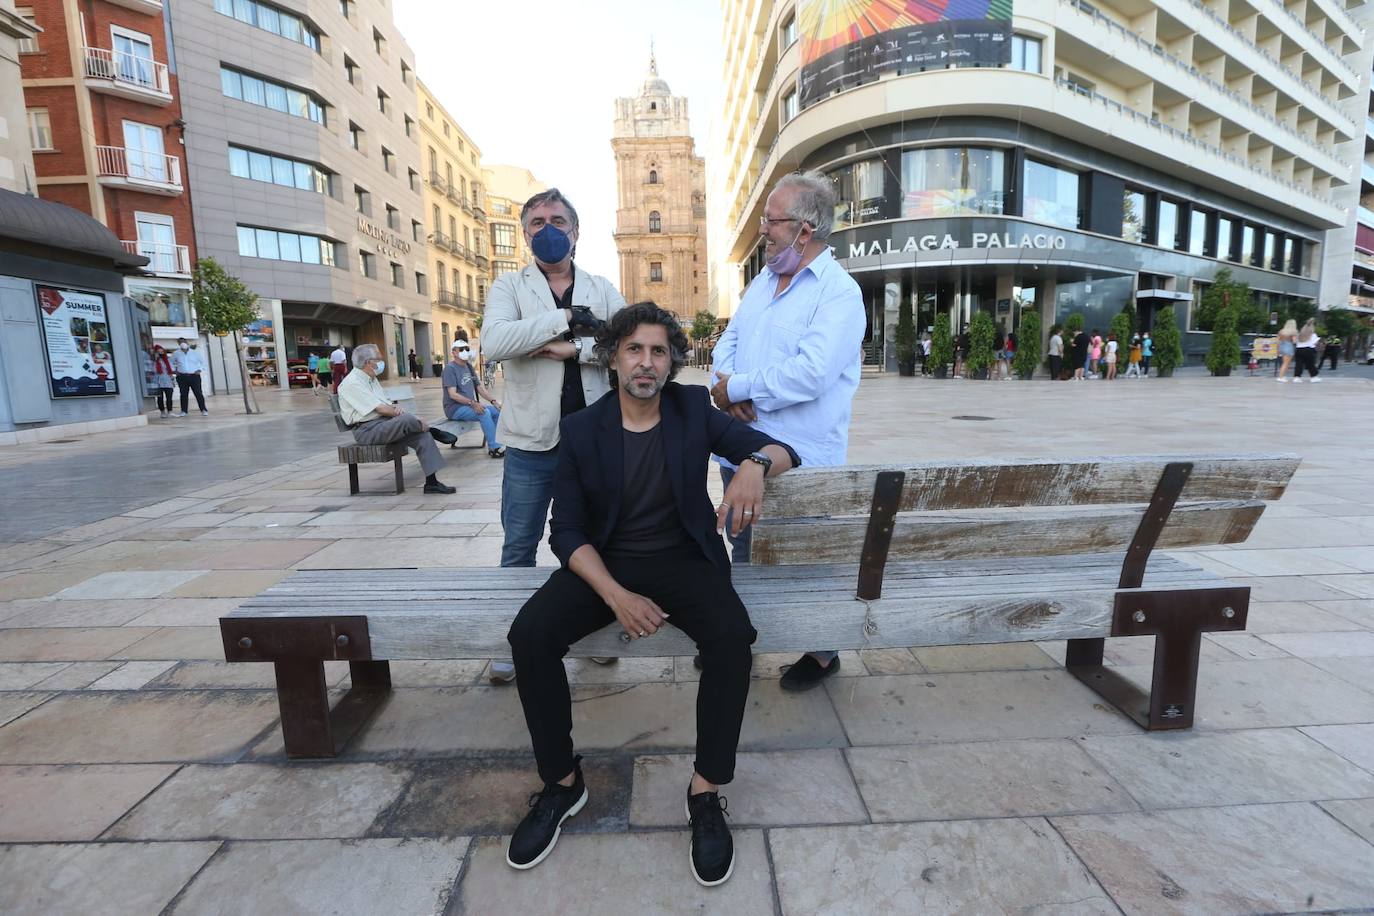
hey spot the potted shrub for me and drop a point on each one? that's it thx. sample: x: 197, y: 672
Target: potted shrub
x: 982, y: 333
x: 437, y: 367
x: 1168, y: 343
x: 1225, y: 350
x: 1027, y: 346
x: 905, y: 339
x: 941, y: 347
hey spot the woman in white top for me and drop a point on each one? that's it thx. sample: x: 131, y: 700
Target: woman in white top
x: 1307, y: 351
x: 1287, y: 347
x: 1110, y: 356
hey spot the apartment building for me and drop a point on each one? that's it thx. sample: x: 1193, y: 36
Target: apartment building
x: 1114, y: 152
x: 508, y: 187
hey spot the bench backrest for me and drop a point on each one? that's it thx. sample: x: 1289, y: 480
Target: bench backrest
x: 1033, y: 507
x: 338, y: 414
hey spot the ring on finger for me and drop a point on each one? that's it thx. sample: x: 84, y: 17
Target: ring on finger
x: 642, y: 634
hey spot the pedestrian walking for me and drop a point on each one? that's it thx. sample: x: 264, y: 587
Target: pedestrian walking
x: 188, y: 363
x: 999, y: 351
x: 338, y: 367
x: 925, y: 354
x: 1094, y: 353
x: 1056, y: 352
x: 313, y: 366
x: 1306, y: 352
x: 1133, y: 357
x: 1109, y: 355
x: 1078, y: 352
x: 323, y: 376
x: 162, y: 380
x: 1288, y: 339
x: 463, y: 393
x: 1147, y: 352
x: 414, y: 364
x: 1011, y: 352
x: 961, y: 345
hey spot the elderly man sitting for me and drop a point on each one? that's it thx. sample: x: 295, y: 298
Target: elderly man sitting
x: 376, y: 420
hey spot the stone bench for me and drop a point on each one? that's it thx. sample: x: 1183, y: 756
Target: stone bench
x: 981, y: 552
x: 354, y: 454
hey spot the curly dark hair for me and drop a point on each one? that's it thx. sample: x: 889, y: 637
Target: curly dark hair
x: 626, y: 321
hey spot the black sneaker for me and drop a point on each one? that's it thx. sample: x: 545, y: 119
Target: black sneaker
x: 713, y: 851
x: 442, y: 436
x: 538, y: 832
x: 806, y: 672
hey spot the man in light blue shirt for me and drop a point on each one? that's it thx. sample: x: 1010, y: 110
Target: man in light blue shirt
x: 789, y: 362
x: 188, y: 363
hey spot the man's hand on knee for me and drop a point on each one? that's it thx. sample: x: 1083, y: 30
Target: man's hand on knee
x: 638, y: 615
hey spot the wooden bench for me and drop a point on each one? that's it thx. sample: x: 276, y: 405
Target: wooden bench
x: 981, y: 551
x: 354, y: 454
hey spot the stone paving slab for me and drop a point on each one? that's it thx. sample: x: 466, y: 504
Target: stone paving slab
x: 1353, y: 742
x: 139, y: 727
x: 149, y: 583
x: 95, y: 877
x: 77, y: 645
x: 1250, y: 859
x: 19, y: 675
x: 186, y: 612
x: 948, y: 867
x: 362, y: 877
x: 70, y: 803
x: 229, y: 584
x: 49, y: 612
x: 14, y: 705
x: 959, y: 781
x: 1267, y: 617
x: 422, y: 552
x: 301, y: 800
x: 42, y: 583
x: 1356, y: 610
x: 1183, y: 769
x: 611, y: 875
x: 176, y: 643
x: 770, y: 789
x: 1323, y: 645
x: 1357, y: 671
x: 77, y: 675
x: 1357, y: 814
x: 131, y: 675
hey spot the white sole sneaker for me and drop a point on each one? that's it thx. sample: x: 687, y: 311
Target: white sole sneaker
x: 557, y: 832
x: 687, y: 809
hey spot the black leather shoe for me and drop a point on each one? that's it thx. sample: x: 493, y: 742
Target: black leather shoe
x: 441, y: 488
x: 538, y: 832
x: 806, y: 672
x: 712, y: 854
x: 696, y: 661
x: 442, y: 436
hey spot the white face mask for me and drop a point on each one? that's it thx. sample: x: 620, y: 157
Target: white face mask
x: 184, y: 348
x: 464, y: 355
x: 380, y: 367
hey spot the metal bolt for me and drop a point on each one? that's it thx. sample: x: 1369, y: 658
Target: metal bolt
x: 1138, y: 616
x: 1228, y: 612
x: 342, y: 640
x: 245, y: 643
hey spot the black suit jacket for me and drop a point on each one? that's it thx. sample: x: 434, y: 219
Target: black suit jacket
x: 589, y: 484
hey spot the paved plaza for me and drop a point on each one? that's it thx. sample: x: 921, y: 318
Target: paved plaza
x: 141, y: 774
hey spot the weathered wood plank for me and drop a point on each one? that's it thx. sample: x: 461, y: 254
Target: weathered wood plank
x: 368, y: 454
x: 1035, y: 533
x: 1003, y: 483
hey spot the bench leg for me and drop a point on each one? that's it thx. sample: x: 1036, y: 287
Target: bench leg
x: 370, y: 675
x: 304, y: 702
x: 1083, y: 652
x: 353, y: 480
x: 400, y: 477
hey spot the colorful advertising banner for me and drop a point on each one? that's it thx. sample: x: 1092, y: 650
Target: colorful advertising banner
x: 846, y: 43
x: 76, y: 332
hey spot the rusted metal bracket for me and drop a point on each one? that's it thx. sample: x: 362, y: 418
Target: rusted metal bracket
x: 270, y: 639
x: 887, y: 496
x: 1177, y: 620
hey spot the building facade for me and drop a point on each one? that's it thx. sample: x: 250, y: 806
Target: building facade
x: 16, y: 147
x: 456, y: 209
x: 1357, y: 239
x: 1125, y: 154
x: 304, y: 151
x: 507, y: 189
x: 108, y: 132
x: 660, y: 225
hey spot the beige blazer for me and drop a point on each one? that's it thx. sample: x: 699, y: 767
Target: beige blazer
x: 520, y: 317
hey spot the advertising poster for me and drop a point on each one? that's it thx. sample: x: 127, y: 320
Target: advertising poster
x: 847, y: 43
x: 76, y: 334
x: 143, y: 326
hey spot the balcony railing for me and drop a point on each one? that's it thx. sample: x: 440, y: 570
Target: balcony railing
x: 138, y: 169
x: 454, y: 300
x: 440, y: 240
x: 458, y: 248
x: 164, y: 259
x: 482, y: 262
x: 436, y: 181
x: 127, y: 75
x: 453, y: 196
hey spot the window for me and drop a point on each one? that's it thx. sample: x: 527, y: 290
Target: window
x: 470, y: 294
x: 289, y: 173
x: 859, y: 194
x: 362, y: 200
x: 462, y: 148
x: 27, y: 45
x: 653, y: 106
x: 1247, y: 244
x: 355, y: 136
x: 1133, y: 216
x: 273, y: 19
x: 789, y: 105
x: 1197, y: 232
x: 655, y: 271
x: 439, y: 272
x: 285, y: 246
x: 446, y: 131
x: 410, y: 125
x: 368, y: 264
x: 143, y: 152
x: 1225, y: 239
x: 653, y: 176
x: 1271, y: 252
x: 346, y: 9
x: 1025, y: 53
x: 467, y: 237
x: 1293, y: 255
x: 350, y: 70
x: 255, y: 91
x: 382, y: 102
x: 655, y: 223
x: 1166, y: 232
x: 405, y: 73
x: 157, y: 242
x: 936, y: 181
x: 429, y: 111
x: 503, y: 239
x: 504, y: 267
x: 422, y: 287
x: 133, y: 57
x: 1050, y: 194
x: 393, y: 217
x: 379, y: 43
x: 789, y: 30
x: 398, y: 276
x: 388, y: 161
x: 414, y: 177
x: 417, y: 231
x: 482, y: 292
x: 457, y: 281
x: 447, y: 339
x: 40, y: 129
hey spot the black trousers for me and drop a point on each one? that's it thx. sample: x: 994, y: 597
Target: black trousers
x: 699, y: 600
x: 1056, y: 363
x: 164, y: 399
x: 1331, y: 354
x: 188, y: 382
x: 1306, y: 358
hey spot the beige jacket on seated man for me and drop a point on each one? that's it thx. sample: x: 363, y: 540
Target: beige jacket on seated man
x: 520, y: 317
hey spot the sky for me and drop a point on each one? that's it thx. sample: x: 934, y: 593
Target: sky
x: 534, y: 84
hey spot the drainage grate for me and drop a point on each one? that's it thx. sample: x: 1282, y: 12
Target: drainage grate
x: 965, y: 417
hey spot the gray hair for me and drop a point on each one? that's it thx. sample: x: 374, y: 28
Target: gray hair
x: 363, y: 352
x: 551, y: 196
x: 813, y: 201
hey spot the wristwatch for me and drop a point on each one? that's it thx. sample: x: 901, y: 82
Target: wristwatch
x: 762, y: 459
x: 577, y: 345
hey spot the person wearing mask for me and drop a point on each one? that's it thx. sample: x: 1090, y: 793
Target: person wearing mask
x: 1147, y: 353
x: 1109, y: 356
x: 338, y: 367
x: 1133, y: 358
x: 188, y: 364
x: 540, y: 323
x: 1306, y: 352
x: 1056, y: 352
x: 789, y: 361
x: 162, y: 380
x: 463, y: 393
x: 1094, y: 353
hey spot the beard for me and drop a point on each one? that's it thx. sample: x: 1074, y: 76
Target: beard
x: 641, y: 388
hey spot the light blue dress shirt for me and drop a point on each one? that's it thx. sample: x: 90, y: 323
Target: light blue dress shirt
x: 798, y: 357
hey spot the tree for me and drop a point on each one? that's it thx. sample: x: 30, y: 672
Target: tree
x: 703, y: 325
x: 224, y: 305
x: 1027, y: 346
x: 1168, y: 342
x: 1122, y: 326
x: 905, y: 338
x: 1224, y: 352
x: 1073, y: 323
x: 1338, y: 321
x: 941, y: 346
x: 982, y: 333
x: 1250, y: 316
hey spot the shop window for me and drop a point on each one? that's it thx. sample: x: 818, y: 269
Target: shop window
x: 944, y: 181
x: 1050, y: 195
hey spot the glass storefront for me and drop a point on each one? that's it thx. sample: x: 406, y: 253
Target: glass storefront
x: 1051, y: 195
x: 859, y: 193
x: 953, y: 181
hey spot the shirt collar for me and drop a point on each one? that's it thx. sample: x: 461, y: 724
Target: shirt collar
x: 818, y: 264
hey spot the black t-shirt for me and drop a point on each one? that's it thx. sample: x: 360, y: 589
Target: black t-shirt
x: 649, y: 522
x: 574, y: 399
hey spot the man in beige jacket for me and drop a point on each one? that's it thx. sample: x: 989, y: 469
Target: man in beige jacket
x: 540, y: 323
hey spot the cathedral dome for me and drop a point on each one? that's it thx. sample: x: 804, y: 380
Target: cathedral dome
x: 654, y: 85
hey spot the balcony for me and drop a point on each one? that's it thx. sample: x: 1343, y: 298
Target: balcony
x: 127, y: 76
x: 436, y: 181
x: 164, y: 259
x: 440, y: 240
x: 446, y: 297
x: 453, y: 195
x: 147, y: 7
x: 138, y: 170
x: 482, y: 263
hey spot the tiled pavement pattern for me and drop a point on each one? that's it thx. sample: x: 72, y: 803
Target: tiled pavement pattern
x: 140, y: 774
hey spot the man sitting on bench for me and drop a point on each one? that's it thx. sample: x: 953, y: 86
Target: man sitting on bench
x: 640, y: 544
x: 376, y: 420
